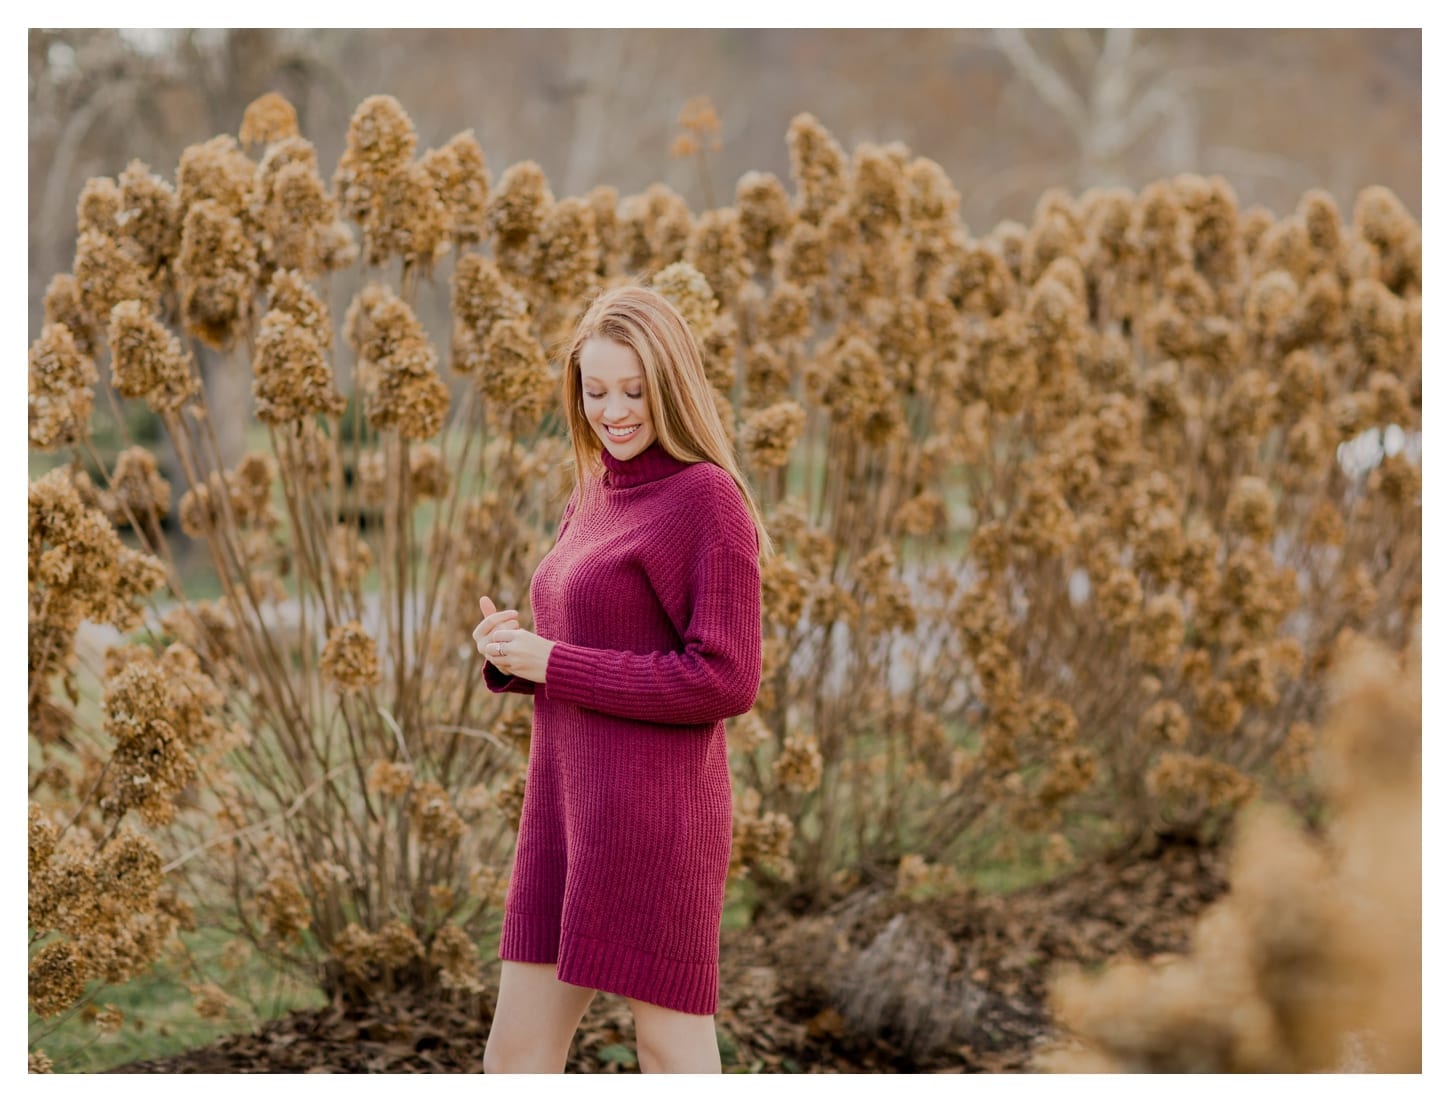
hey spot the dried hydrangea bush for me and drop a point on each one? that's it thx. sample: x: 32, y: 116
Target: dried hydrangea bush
x: 1071, y: 515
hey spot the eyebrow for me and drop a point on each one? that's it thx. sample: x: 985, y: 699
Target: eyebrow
x: 596, y: 379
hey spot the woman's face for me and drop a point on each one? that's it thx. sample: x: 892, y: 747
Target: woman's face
x: 614, y: 396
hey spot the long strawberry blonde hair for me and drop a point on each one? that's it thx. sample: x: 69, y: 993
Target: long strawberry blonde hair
x: 681, y: 399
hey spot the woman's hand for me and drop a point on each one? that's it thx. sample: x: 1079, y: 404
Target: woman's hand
x: 492, y: 620
x: 509, y: 647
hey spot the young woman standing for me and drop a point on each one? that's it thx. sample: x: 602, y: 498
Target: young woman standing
x: 647, y: 613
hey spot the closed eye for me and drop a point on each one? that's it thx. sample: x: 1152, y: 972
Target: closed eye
x: 631, y: 397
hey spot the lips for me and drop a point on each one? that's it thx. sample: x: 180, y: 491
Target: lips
x: 621, y: 436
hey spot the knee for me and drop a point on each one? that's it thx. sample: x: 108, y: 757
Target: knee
x: 671, y: 1042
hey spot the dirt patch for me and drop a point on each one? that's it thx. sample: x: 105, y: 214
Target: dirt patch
x: 876, y: 983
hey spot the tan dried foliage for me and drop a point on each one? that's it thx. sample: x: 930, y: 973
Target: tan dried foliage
x: 1312, y: 961
x: 1072, y: 513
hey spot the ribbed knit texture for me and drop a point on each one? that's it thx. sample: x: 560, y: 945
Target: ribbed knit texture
x: 652, y: 598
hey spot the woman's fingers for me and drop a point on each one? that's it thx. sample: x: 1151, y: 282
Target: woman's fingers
x: 493, y: 619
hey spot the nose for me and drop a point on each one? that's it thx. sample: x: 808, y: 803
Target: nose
x: 616, y: 410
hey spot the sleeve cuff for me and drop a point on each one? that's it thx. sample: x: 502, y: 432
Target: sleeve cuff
x: 500, y: 682
x: 569, y: 675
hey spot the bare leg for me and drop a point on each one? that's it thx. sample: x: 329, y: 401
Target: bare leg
x: 535, y: 1020
x: 673, y: 1042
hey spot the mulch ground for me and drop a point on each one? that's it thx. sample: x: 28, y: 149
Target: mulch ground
x: 877, y: 983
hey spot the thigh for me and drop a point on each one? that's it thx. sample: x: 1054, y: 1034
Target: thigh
x: 535, y: 1018
x: 673, y: 1041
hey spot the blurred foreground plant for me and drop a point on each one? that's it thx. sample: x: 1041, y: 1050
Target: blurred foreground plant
x: 1312, y: 961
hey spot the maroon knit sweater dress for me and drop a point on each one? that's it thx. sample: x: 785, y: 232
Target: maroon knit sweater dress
x: 652, y: 598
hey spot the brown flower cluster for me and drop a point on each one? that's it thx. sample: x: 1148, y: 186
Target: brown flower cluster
x: 397, y: 365
x: 291, y: 376
x: 798, y: 765
x: 217, y: 269
x: 78, y: 569
x: 61, y: 390
x: 349, y: 660
x: 433, y: 815
x: 282, y: 907
x: 293, y: 214
x: 147, y: 361
x: 772, y: 432
x: 159, y: 711
x: 762, y: 840
x: 95, y: 906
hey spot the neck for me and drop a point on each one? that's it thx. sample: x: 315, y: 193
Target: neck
x: 651, y: 464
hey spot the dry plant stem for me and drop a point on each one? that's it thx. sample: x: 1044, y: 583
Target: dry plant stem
x: 262, y: 656
x: 292, y: 808
x: 307, y: 574
x: 299, y: 725
x: 393, y: 572
x: 490, y: 583
x: 442, y: 567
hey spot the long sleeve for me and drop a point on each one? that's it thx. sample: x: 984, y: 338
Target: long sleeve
x: 717, y: 675
x: 500, y: 682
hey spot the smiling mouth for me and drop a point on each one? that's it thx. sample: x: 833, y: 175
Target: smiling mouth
x: 621, y: 435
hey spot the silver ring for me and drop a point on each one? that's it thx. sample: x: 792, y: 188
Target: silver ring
x: 500, y: 650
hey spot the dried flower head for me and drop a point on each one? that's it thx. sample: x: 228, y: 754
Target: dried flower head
x: 380, y: 142
x: 215, y: 171
x: 148, y: 219
x: 349, y: 556
x: 349, y: 660
x: 139, y: 493
x: 1119, y: 598
x: 61, y: 393
x: 690, y: 293
x: 146, y: 359
x: 1159, y: 631
x: 1250, y: 509
x: 516, y: 374
x: 798, y: 764
x: 567, y: 256
x: 291, y: 376
x: 516, y: 212
x: 765, y: 215
x: 292, y: 208
x: 268, y: 118
x: 217, y: 271
x: 107, y: 274
x: 481, y: 296
x: 406, y: 391
x: 433, y: 815
x: 1182, y: 778
x: 717, y: 250
x: 408, y: 219
x: 97, y: 207
x: 391, y: 779
x: 282, y: 907
x: 771, y: 433
x: 818, y: 167
x: 57, y: 978
x: 1164, y: 723
x: 63, y: 307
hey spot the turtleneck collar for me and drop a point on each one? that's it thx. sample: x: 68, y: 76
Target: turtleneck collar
x: 651, y: 464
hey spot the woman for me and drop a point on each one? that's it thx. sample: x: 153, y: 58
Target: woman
x: 648, y: 618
